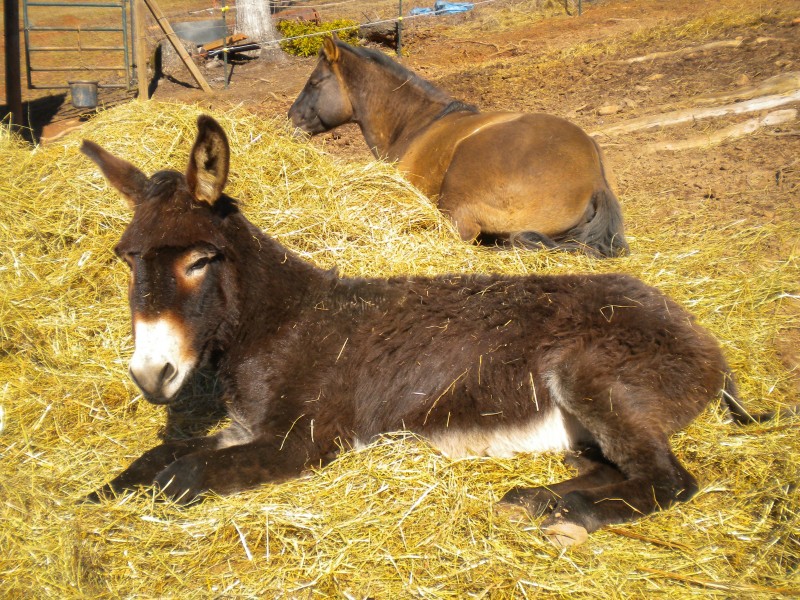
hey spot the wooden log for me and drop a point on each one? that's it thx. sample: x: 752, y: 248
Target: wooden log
x: 232, y: 39
x: 176, y: 43
x: 726, y: 133
x: 693, y: 114
x: 680, y: 51
x: 785, y: 82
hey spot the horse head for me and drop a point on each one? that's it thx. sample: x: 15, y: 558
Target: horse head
x: 181, y: 273
x: 323, y: 104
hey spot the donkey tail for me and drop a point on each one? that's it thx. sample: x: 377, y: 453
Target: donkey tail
x: 741, y: 416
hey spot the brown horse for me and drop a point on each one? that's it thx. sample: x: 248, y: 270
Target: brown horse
x: 312, y: 362
x: 532, y: 180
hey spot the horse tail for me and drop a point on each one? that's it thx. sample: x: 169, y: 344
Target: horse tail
x: 741, y: 416
x: 602, y: 234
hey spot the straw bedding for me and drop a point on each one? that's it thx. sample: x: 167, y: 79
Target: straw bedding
x: 395, y: 520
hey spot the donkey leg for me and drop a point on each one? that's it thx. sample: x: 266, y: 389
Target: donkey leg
x: 654, y: 480
x: 644, y: 493
x: 232, y: 469
x: 593, y: 471
x: 628, y: 425
x: 144, y: 469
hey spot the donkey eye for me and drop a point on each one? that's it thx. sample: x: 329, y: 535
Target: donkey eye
x: 198, y: 265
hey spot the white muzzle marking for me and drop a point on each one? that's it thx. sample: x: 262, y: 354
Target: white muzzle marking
x: 162, y: 359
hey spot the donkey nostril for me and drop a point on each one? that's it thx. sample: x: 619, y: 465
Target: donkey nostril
x: 132, y: 373
x: 167, y: 373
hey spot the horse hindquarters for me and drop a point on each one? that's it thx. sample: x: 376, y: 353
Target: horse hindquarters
x: 534, y: 181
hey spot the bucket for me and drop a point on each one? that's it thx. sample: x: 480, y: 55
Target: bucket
x: 84, y: 93
x: 201, y: 32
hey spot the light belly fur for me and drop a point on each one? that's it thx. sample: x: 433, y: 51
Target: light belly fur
x: 542, y: 435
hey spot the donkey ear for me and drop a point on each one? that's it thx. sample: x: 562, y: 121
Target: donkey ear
x: 330, y: 49
x: 122, y: 175
x: 209, y: 161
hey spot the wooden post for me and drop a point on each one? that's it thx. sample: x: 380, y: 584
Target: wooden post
x: 13, y: 82
x: 400, y: 27
x: 140, y: 49
x: 225, y: 40
x: 176, y: 43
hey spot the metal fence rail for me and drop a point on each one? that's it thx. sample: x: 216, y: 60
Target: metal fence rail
x: 32, y: 50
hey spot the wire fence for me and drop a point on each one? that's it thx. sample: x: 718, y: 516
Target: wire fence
x: 382, y: 14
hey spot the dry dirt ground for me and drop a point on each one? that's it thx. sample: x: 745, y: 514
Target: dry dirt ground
x: 573, y: 66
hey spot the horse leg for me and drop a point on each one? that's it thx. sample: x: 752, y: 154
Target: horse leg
x: 466, y: 225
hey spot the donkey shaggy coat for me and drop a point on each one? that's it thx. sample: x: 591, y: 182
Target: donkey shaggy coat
x: 602, y: 366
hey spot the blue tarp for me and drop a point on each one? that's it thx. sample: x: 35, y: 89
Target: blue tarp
x: 443, y: 8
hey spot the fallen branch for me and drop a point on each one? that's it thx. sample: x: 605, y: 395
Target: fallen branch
x: 650, y: 540
x: 794, y: 132
x: 495, y: 46
x: 679, y: 51
x: 779, y: 84
x: 728, y: 133
x: 694, y: 114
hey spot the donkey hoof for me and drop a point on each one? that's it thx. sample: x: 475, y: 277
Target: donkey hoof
x: 516, y: 513
x: 536, y: 500
x: 563, y: 534
x: 96, y: 497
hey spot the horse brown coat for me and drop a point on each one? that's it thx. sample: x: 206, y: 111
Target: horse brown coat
x: 534, y: 180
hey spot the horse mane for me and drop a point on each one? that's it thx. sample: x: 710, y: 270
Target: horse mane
x: 394, y: 68
x: 457, y: 106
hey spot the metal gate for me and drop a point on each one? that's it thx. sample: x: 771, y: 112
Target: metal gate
x: 86, y: 33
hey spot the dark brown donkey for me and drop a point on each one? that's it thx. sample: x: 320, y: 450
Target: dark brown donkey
x: 532, y: 180
x: 600, y: 365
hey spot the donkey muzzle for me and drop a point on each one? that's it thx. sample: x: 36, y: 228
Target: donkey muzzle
x: 160, y: 363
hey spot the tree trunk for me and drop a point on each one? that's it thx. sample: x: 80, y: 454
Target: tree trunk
x: 254, y: 19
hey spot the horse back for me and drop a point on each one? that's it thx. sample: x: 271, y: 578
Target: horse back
x: 426, y: 158
x: 508, y: 171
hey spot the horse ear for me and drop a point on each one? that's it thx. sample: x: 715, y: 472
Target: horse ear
x: 122, y: 175
x: 330, y: 49
x: 209, y: 161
